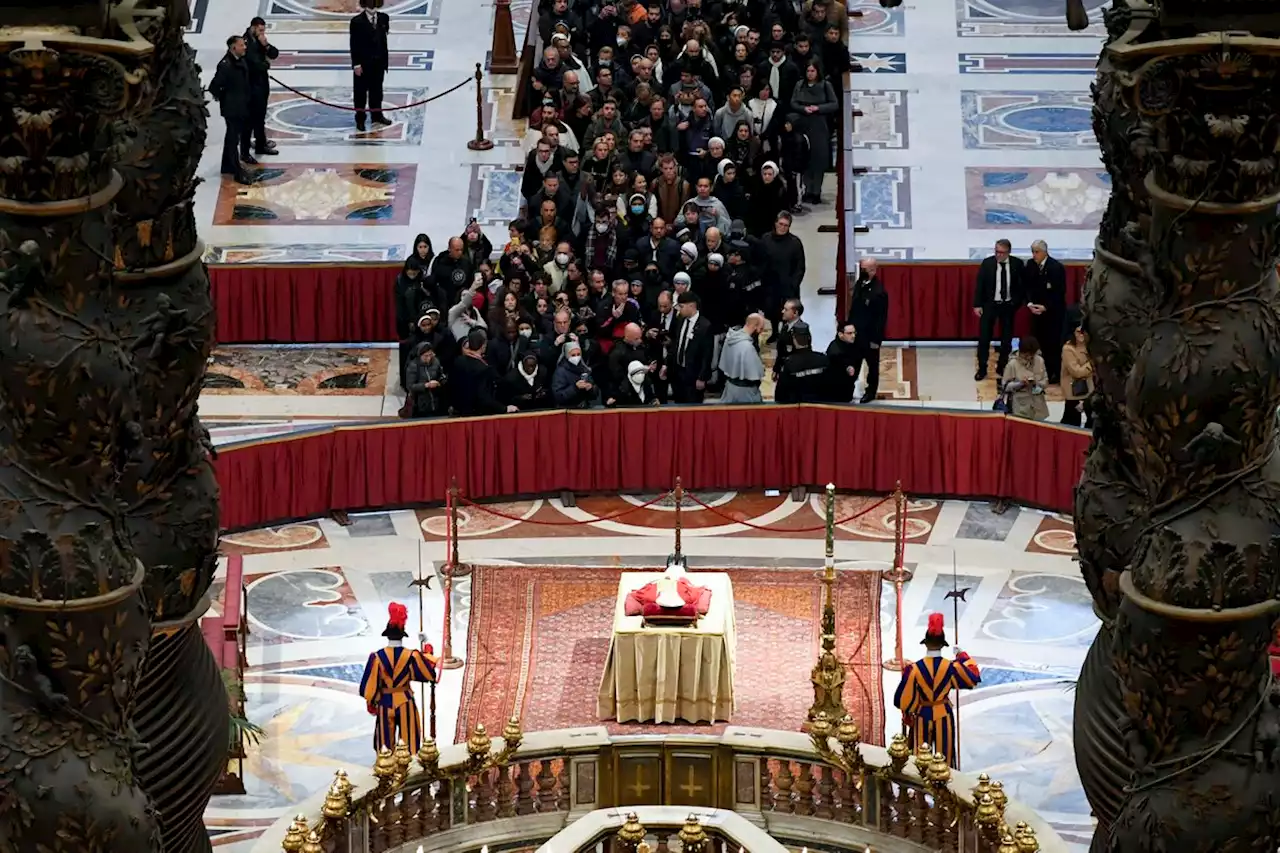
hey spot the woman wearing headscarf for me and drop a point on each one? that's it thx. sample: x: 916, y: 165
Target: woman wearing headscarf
x: 744, y: 150
x: 572, y: 386
x: 729, y: 190
x: 768, y: 199
x: 816, y: 103
x: 637, y: 390
x: 424, y: 384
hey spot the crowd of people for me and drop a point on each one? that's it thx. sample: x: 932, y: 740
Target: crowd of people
x: 670, y: 145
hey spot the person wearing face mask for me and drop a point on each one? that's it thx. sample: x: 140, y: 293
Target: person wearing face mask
x: 740, y: 362
x: 601, y: 250
x: 572, y: 386
x: 505, y: 350
x: 424, y: 384
x: 636, y: 389
x: 557, y: 269
x: 527, y: 386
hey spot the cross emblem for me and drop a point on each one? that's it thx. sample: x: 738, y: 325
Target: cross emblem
x: 639, y: 788
x: 691, y: 787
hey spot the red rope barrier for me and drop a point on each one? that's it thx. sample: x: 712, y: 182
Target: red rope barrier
x: 746, y: 523
x: 627, y: 511
x: 448, y: 91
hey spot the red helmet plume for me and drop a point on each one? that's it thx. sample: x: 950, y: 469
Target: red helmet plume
x: 937, y: 624
x: 398, y: 615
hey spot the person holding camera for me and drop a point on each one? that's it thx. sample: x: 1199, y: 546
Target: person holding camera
x: 1024, y: 381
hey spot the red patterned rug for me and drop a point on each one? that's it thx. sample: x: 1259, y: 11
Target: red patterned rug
x: 539, y: 636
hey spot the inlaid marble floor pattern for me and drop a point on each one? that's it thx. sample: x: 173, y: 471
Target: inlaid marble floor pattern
x: 318, y: 594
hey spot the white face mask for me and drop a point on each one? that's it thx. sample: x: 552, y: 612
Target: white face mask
x: 526, y: 333
x: 602, y: 227
x: 575, y: 360
x: 562, y: 259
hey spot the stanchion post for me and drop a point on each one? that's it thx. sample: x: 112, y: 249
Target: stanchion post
x: 480, y: 143
x: 898, y: 575
x: 502, y: 57
x: 447, y: 658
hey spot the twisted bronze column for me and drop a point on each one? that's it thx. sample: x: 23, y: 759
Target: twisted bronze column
x: 107, y: 495
x: 1177, y: 513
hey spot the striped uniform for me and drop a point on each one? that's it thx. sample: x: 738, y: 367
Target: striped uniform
x: 387, y: 687
x: 922, y: 696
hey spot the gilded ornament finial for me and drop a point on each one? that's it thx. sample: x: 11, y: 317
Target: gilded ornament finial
x: 337, y: 803
x: 939, y: 773
x: 429, y: 756
x: 923, y: 758
x: 478, y: 745
x: 983, y: 787
x: 693, y: 838
x: 998, y: 796
x: 402, y: 758
x: 295, y: 836
x: 1025, y: 839
x: 631, y: 833
x: 986, y: 815
x: 899, y: 752
x: 312, y: 844
x: 344, y: 782
x: 1007, y: 844
x: 384, y: 767
x: 512, y: 734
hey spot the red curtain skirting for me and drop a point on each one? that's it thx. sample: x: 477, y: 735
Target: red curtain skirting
x: 933, y: 453
x: 306, y: 303
x: 934, y: 301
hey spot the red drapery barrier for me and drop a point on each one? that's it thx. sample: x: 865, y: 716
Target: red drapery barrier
x: 319, y: 303
x: 933, y: 452
x: 304, y: 303
x: 934, y: 301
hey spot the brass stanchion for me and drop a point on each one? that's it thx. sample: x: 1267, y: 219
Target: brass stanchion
x: 677, y: 556
x: 447, y: 658
x: 480, y: 143
x: 898, y: 575
x: 828, y: 673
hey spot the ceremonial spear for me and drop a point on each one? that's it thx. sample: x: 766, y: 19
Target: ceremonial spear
x: 956, y: 595
x: 423, y: 583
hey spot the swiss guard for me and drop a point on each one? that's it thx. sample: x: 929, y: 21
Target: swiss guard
x: 923, y: 694
x: 387, y: 685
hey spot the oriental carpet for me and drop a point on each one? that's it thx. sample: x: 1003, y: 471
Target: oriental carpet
x: 539, y: 636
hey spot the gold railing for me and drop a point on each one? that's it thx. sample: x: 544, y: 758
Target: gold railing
x: 530, y: 787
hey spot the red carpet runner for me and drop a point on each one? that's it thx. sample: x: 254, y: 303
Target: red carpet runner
x: 539, y: 636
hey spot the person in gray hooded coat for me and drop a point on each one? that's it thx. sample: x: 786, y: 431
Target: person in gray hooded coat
x: 740, y: 363
x: 424, y: 382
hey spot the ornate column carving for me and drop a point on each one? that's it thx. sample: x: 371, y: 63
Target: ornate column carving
x: 1178, y: 510
x: 106, y: 327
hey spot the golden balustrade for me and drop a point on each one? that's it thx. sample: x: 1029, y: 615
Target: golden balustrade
x: 533, y: 786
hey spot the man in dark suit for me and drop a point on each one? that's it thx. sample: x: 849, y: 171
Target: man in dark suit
x: 688, y: 364
x: 369, y: 60
x: 1046, y: 290
x: 258, y: 55
x: 996, y: 297
x: 869, y: 314
x: 659, y: 249
x: 230, y: 87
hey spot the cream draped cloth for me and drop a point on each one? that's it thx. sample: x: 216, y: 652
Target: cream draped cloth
x: 659, y: 674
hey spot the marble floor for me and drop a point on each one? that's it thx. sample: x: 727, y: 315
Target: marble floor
x: 318, y: 593
x: 976, y: 126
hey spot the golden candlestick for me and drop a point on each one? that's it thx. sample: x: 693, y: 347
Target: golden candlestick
x: 678, y: 557
x: 828, y: 673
